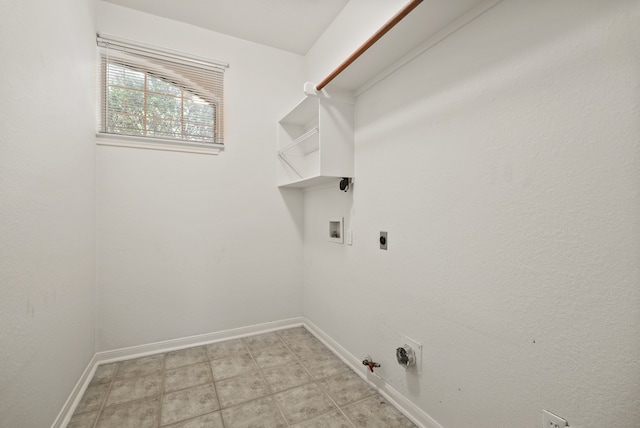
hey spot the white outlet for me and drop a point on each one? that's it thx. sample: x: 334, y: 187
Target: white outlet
x: 549, y: 420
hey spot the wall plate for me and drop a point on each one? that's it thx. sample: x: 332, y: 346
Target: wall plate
x: 417, y: 349
x: 336, y: 230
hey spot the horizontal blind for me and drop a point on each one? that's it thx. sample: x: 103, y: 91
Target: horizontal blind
x: 149, y: 92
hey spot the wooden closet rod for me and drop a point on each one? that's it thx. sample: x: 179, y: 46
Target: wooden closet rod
x: 366, y: 45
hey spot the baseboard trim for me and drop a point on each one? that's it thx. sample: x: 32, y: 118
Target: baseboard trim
x: 410, y: 410
x: 417, y: 416
x: 76, y: 394
x: 121, y: 354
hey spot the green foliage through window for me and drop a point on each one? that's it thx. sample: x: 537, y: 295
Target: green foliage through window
x: 140, y: 103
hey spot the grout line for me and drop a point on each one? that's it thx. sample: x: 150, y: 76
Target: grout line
x: 238, y: 375
x: 298, y: 360
x: 162, y: 373
x: 207, y: 363
x: 190, y: 386
x: 106, y: 397
x: 376, y: 395
x: 215, y: 388
x: 349, y: 369
x: 335, y: 403
x: 316, y: 381
x: 260, y: 371
x: 338, y: 407
x: 272, y: 395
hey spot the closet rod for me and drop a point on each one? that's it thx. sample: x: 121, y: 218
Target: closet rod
x: 366, y: 45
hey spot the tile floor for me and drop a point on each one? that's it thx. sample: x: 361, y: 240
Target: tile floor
x: 281, y: 379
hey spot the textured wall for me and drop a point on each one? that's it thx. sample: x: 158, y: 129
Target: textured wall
x: 352, y: 27
x: 191, y: 244
x: 504, y: 163
x: 47, y: 205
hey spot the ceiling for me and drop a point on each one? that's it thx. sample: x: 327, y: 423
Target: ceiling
x: 291, y: 25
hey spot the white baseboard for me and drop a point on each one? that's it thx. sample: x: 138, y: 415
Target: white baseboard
x: 410, y: 410
x: 76, y: 394
x: 187, y: 342
x: 115, y: 355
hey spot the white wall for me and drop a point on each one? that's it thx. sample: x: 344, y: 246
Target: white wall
x: 191, y: 244
x: 47, y: 205
x: 352, y: 27
x: 504, y: 163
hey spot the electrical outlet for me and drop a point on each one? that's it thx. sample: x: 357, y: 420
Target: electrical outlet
x: 549, y: 420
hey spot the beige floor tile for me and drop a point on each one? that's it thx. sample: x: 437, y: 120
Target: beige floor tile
x: 376, y: 412
x: 347, y: 388
x: 262, y: 413
x: 262, y: 341
x: 239, y: 364
x: 104, y: 373
x: 92, y: 399
x: 144, y: 366
x: 226, y: 349
x: 185, y: 357
x: 211, y: 420
x: 293, y: 334
x: 285, y: 377
x: 187, y: 376
x: 324, y: 364
x: 85, y: 420
x: 189, y: 403
x: 137, y: 388
x: 303, y: 403
x: 273, y: 356
x: 139, y: 414
x: 239, y: 389
x: 328, y: 420
x: 307, y: 348
x: 273, y: 380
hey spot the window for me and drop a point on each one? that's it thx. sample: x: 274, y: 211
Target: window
x: 139, y: 103
x: 159, y: 97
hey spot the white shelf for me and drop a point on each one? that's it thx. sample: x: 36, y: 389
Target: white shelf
x: 307, y: 158
x: 305, y: 141
x: 315, y: 143
x: 304, y: 112
x: 318, y: 180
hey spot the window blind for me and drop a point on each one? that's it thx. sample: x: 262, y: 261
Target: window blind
x: 146, y: 91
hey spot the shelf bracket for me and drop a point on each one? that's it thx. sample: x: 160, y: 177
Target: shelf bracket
x: 284, y: 159
x: 334, y: 94
x: 313, y: 131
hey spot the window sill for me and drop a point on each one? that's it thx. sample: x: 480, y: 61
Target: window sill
x: 103, y: 139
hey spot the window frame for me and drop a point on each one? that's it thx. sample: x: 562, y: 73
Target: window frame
x: 156, y: 55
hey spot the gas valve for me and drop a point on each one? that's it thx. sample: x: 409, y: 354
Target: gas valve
x: 368, y: 361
